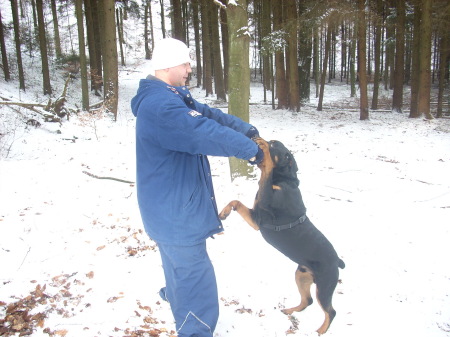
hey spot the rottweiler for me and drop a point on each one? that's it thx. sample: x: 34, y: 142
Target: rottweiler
x: 280, y: 214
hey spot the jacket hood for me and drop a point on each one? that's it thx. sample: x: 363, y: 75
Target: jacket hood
x: 144, y: 85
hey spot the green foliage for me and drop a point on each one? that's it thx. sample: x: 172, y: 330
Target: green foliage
x: 65, y: 59
x: 274, y: 42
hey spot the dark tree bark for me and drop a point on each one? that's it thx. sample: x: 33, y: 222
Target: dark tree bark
x: 82, y: 52
x: 147, y: 16
x: 177, y: 21
x: 265, y: 31
x: 363, y: 100
x: 291, y: 27
x: 111, y: 93
x: 15, y: 15
x: 4, y: 55
x: 119, y: 26
x: 163, y: 20
x: 325, y: 65
x: 43, y: 48
x: 225, y: 45
x: 280, y: 71
x: 56, y: 30
x: 423, y: 103
x: 196, y: 22
x: 415, y: 61
x: 206, y: 44
x: 444, y: 56
x: 399, y: 68
x: 377, y: 50
x: 217, y: 56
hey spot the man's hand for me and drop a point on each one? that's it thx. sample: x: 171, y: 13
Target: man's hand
x: 252, y: 133
x: 258, y: 158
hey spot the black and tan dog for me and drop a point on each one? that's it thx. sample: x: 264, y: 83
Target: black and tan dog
x: 280, y: 214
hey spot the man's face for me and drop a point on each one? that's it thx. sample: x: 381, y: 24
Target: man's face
x: 178, y: 75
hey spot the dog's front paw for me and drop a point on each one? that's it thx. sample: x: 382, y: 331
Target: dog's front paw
x: 225, y: 212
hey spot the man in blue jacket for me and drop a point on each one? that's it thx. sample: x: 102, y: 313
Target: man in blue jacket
x: 174, y: 136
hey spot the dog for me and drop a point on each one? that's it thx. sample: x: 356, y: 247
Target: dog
x: 280, y: 215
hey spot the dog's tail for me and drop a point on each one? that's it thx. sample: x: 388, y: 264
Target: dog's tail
x: 341, y: 264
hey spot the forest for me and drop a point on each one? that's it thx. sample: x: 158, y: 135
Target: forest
x: 401, y: 45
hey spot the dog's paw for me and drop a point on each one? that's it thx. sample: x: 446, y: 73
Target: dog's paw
x: 225, y: 213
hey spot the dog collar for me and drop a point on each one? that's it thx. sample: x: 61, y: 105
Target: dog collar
x: 288, y: 226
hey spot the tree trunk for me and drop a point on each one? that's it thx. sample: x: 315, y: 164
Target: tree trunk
x: 399, y: 68
x: 316, y: 59
x: 119, y: 25
x: 291, y: 23
x: 206, y: 44
x: 110, y: 65
x: 363, y: 100
x: 56, y: 30
x: 280, y: 71
x: 304, y: 50
x: 390, y: 48
x: 163, y: 20
x: 444, y: 51
x: 423, y: 103
x: 83, y: 65
x: 217, y: 55
x: 225, y: 45
x: 4, y: 55
x: 95, y: 44
x: 197, y: 42
x: 43, y: 48
x: 147, y: 13
x: 325, y: 65
x: 239, y: 76
x: 415, y: 62
x: 265, y: 31
x: 377, y: 51
x: 352, y: 62
x: 177, y: 22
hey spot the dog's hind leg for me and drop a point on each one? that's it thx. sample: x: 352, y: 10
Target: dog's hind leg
x: 324, y: 291
x: 304, y: 280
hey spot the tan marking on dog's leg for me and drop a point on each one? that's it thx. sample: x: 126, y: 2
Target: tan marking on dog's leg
x: 304, y: 280
x: 276, y: 187
x: 330, y: 313
x: 243, y: 211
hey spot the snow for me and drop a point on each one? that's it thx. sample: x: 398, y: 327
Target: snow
x: 378, y: 189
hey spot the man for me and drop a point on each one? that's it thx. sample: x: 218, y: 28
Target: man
x: 174, y: 135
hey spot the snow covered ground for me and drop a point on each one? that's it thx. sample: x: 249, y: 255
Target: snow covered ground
x: 74, y: 260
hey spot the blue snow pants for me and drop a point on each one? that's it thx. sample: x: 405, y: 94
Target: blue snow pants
x: 191, y: 289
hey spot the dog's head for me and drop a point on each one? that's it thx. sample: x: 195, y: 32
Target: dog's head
x: 284, y: 162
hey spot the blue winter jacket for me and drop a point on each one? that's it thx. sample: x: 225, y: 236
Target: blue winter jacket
x: 174, y: 134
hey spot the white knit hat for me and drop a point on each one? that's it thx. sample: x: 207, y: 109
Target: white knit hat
x: 169, y: 53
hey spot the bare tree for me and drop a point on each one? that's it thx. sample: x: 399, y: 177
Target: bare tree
x: 110, y: 65
x: 423, y: 102
x: 82, y: 52
x: 291, y: 28
x: 56, y: 30
x: 4, y: 55
x: 239, y: 75
x: 363, y: 100
x: 43, y: 48
x: 399, y: 68
x: 16, y: 25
